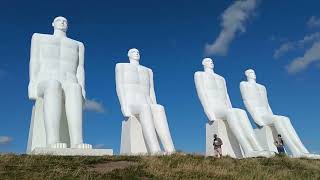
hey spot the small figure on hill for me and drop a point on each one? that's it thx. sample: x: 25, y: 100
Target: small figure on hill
x: 280, y: 144
x: 217, y: 143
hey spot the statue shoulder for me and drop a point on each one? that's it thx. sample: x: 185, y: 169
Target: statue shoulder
x: 243, y: 84
x: 120, y: 65
x: 220, y: 78
x: 80, y: 44
x: 198, y: 75
x: 145, y: 68
x: 37, y: 36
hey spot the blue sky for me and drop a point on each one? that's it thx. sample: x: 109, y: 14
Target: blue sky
x: 171, y: 37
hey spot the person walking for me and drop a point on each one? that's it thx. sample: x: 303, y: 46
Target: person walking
x: 217, y: 143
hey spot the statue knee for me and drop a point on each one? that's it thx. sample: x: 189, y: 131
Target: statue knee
x: 282, y: 118
x: 158, y: 107
x: 239, y: 111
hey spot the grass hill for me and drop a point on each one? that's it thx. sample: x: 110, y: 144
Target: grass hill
x: 159, y: 167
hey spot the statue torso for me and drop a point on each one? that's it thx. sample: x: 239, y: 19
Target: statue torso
x: 58, y: 57
x: 256, y: 96
x: 136, y: 82
x: 216, y: 93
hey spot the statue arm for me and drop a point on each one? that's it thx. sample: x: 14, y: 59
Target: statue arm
x: 266, y: 99
x: 120, y: 92
x: 248, y: 104
x: 202, y: 96
x: 228, y: 98
x: 34, y: 67
x: 80, y: 70
x: 152, y: 91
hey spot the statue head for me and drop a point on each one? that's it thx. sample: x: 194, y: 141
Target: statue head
x: 208, y: 63
x: 60, y: 23
x: 134, y: 54
x: 250, y: 74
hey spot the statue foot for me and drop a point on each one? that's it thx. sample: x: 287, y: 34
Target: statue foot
x: 58, y: 145
x: 82, y: 146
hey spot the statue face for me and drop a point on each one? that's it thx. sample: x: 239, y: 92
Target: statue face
x: 134, y: 54
x: 208, y: 63
x: 250, y: 74
x: 60, y: 23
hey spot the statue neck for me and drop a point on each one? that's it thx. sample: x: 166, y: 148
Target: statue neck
x: 135, y: 62
x: 208, y: 70
x: 59, y: 33
x: 251, y: 80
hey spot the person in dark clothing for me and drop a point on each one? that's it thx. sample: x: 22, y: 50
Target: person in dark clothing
x: 280, y: 144
x: 217, y: 143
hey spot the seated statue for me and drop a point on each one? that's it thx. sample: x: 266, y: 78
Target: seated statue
x: 57, y: 84
x: 212, y: 92
x: 255, y: 98
x: 135, y: 89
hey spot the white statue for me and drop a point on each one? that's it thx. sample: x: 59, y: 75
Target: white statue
x: 135, y: 89
x: 255, y: 98
x: 57, y: 82
x: 212, y: 92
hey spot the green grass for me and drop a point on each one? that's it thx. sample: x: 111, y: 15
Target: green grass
x: 160, y: 167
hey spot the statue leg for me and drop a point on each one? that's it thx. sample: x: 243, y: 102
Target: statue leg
x: 52, y: 95
x: 235, y: 125
x: 293, y: 134
x: 162, y: 128
x: 73, y: 105
x: 281, y: 129
x: 148, y: 129
x: 248, y: 130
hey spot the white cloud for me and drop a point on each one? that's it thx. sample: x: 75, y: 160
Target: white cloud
x: 5, y: 140
x: 284, y: 48
x: 234, y: 20
x: 93, y: 105
x: 290, y: 46
x: 313, y: 22
x: 300, y: 63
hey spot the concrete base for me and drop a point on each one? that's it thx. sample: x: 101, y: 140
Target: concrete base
x: 230, y: 145
x: 132, y: 140
x: 266, y: 137
x: 71, y: 152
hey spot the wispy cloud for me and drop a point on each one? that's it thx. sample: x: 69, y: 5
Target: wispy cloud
x: 310, y: 43
x: 301, y: 63
x: 95, y: 106
x: 5, y: 140
x: 313, y: 22
x: 292, y: 45
x: 234, y: 20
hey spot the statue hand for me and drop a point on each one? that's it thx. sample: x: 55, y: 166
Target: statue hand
x: 212, y: 117
x: 126, y: 112
x: 32, y: 91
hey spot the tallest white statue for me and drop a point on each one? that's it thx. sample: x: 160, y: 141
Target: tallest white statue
x: 57, y: 83
x: 255, y: 98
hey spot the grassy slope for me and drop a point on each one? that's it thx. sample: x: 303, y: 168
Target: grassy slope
x: 165, y: 167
